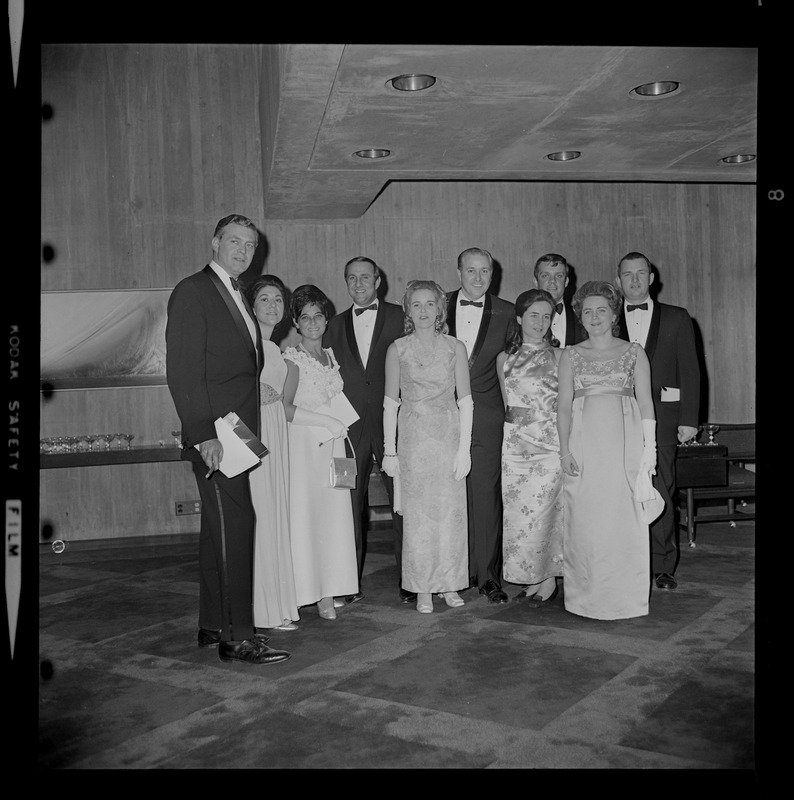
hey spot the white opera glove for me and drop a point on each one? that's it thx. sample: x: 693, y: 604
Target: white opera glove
x: 461, y: 465
x: 648, y: 460
x: 332, y: 424
x: 390, y: 464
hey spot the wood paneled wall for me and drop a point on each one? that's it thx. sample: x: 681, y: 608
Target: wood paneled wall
x: 148, y: 146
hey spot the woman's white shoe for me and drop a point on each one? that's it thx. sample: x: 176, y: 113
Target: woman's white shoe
x: 452, y: 599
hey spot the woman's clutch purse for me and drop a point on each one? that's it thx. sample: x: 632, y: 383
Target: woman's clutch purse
x: 342, y: 471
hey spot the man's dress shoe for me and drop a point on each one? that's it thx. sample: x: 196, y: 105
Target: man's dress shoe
x: 346, y: 601
x: 664, y: 580
x: 251, y: 651
x: 208, y: 638
x: 407, y: 597
x: 493, y: 592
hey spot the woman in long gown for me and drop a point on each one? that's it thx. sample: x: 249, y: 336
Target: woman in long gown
x: 531, y: 474
x: 275, y: 604
x: 321, y: 517
x: 607, y: 432
x: 424, y: 371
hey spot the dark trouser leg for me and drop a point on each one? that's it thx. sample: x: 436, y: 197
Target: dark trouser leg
x: 397, y: 527
x: 359, y: 497
x: 664, y: 551
x: 484, y: 503
x: 226, y: 546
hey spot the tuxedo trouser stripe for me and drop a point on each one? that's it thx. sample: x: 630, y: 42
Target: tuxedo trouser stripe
x: 226, y: 599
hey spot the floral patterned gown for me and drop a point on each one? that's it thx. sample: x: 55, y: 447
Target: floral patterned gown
x: 607, y: 548
x: 435, y: 521
x: 532, y: 541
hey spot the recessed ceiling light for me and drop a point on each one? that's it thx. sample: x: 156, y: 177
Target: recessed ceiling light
x: 373, y: 152
x: 738, y: 159
x: 412, y: 83
x: 655, y: 89
x: 564, y: 155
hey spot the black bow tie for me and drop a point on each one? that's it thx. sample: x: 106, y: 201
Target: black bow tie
x: 476, y: 303
x: 641, y: 306
x: 558, y: 308
x: 373, y: 307
x: 235, y: 284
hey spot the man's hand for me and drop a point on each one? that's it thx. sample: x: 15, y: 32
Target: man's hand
x: 211, y: 453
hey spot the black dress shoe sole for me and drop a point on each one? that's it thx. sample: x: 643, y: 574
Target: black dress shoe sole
x: 353, y: 598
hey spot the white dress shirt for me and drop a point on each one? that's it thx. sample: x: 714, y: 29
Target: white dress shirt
x: 638, y: 322
x: 363, y: 327
x: 236, y: 296
x: 467, y: 322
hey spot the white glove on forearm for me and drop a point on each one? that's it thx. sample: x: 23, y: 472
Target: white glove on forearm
x: 648, y: 460
x: 461, y: 465
x: 390, y: 464
x: 305, y: 417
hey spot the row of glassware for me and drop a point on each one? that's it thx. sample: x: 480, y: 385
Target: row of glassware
x: 86, y: 443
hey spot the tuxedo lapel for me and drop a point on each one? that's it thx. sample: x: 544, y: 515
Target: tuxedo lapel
x: 653, y: 331
x: 254, y: 350
x: 623, y: 331
x: 452, y: 306
x: 485, y: 323
x: 350, y: 335
x: 570, y: 325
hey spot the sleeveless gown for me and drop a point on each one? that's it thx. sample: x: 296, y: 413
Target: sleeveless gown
x: 435, y: 522
x: 274, y: 583
x: 607, y: 550
x: 533, y: 515
x: 321, y: 518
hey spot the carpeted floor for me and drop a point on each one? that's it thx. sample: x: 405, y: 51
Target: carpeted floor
x: 123, y: 684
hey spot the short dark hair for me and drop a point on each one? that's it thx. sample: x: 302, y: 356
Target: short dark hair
x: 309, y: 294
x: 474, y: 251
x: 515, y: 337
x: 364, y: 260
x: 235, y: 219
x: 604, y: 289
x: 550, y: 259
x: 282, y: 327
x: 632, y: 257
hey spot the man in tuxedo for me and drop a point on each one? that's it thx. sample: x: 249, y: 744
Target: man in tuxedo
x: 481, y: 321
x: 668, y: 338
x: 551, y: 275
x: 213, y: 360
x: 359, y: 338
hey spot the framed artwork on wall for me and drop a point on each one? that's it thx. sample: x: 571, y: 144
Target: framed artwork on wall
x: 101, y: 339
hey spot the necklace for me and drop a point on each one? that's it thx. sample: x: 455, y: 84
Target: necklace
x: 426, y: 355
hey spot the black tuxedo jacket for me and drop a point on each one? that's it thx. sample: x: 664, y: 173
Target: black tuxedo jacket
x: 212, y: 365
x: 489, y: 411
x: 574, y: 331
x: 365, y: 387
x: 674, y: 364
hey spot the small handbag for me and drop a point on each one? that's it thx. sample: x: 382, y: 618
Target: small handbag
x: 342, y: 471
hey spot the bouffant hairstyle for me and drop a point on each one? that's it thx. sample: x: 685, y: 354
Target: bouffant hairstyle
x: 603, y: 289
x: 441, y: 302
x: 515, y: 336
x: 309, y: 294
x: 282, y: 327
